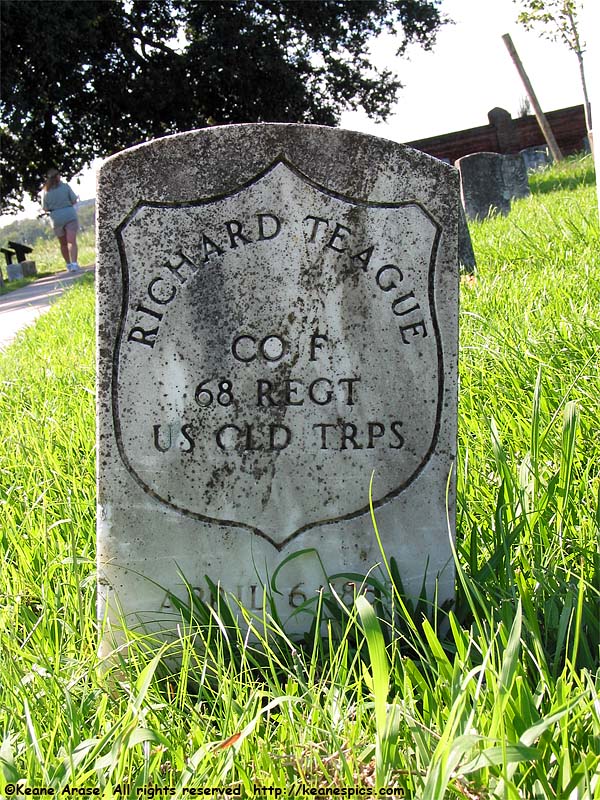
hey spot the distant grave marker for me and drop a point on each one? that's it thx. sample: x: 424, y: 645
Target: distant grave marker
x: 277, y: 320
x: 15, y: 272
x: 489, y: 181
x: 482, y: 185
x: 536, y: 158
x: 514, y: 172
x: 22, y: 268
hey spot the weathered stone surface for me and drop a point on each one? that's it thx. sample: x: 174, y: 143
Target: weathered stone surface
x: 14, y: 272
x: 277, y: 319
x: 29, y: 269
x: 515, y: 177
x: 506, y: 132
x: 489, y: 181
x: 483, y: 187
x: 536, y: 157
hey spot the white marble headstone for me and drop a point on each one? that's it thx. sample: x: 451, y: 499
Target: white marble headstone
x: 277, y: 320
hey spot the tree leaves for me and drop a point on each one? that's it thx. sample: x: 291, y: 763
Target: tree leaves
x: 82, y: 80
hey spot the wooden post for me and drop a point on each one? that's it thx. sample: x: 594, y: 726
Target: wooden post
x: 542, y: 121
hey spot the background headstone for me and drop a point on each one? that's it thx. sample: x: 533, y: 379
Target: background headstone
x: 483, y: 186
x: 14, y: 272
x: 29, y: 269
x: 277, y: 319
x: 506, y: 133
x: 536, y: 157
x: 514, y: 172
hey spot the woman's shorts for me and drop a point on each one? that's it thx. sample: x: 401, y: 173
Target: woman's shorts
x: 69, y: 227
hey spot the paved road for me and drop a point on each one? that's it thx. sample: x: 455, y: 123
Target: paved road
x: 23, y: 306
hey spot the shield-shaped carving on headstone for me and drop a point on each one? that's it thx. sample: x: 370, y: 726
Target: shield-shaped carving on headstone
x: 277, y: 344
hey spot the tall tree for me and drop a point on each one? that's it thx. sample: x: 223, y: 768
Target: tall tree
x: 559, y: 21
x: 84, y: 79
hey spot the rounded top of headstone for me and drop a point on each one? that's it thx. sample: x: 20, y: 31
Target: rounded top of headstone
x: 219, y: 160
x: 477, y: 157
x: 268, y: 131
x: 496, y: 115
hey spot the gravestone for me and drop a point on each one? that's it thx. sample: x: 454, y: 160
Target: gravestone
x: 506, y: 131
x: 277, y: 320
x: 29, y: 269
x: 14, y: 272
x: 483, y: 185
x: 23, y: 268
x: 536, y: 158
x: 515, y: 177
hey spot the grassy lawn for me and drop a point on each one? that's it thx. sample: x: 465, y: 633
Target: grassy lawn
x: 49, y: 261
x: 498, y: 698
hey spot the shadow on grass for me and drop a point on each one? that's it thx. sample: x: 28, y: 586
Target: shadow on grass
x: 11, y: 286
x: 545, y: 184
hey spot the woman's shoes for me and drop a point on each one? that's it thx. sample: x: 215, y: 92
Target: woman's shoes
x: 73, y: 267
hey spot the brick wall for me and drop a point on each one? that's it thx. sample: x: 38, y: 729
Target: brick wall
x: 507, y: 135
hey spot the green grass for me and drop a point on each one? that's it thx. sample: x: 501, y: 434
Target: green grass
x: 500, y: 698
x: 49, y: 260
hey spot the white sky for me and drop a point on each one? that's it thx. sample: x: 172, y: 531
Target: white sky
x: 453, y: 86
x: 470, y: 72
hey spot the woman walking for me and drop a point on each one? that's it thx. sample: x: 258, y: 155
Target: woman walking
x: 59, y: 201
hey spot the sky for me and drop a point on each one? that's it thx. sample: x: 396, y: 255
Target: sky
x: 453, y: 86
x: 469, y: 72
